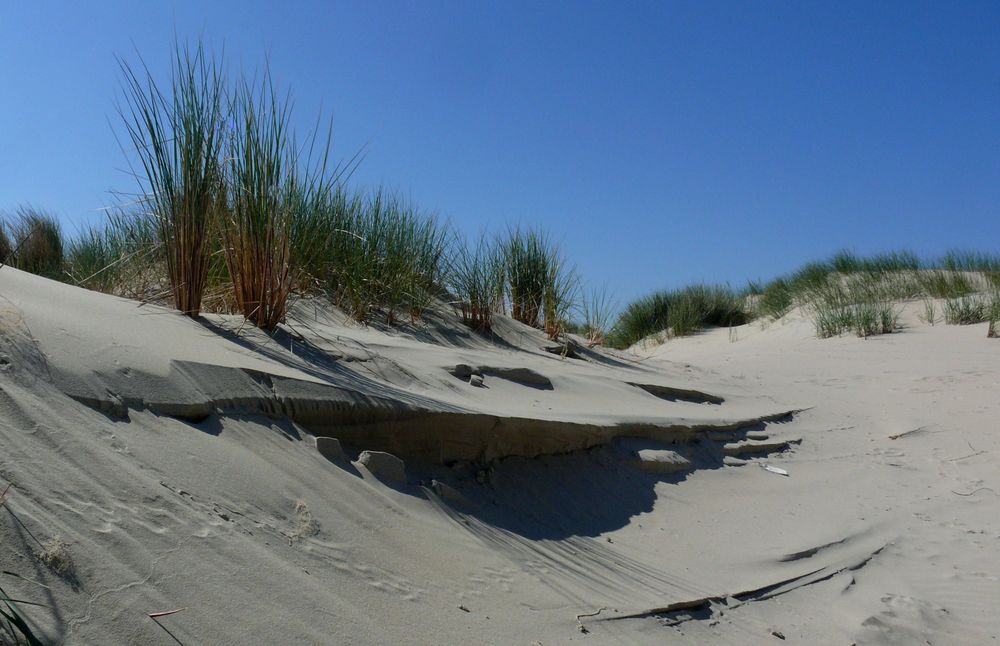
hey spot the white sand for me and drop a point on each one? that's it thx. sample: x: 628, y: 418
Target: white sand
x: 176, y: 461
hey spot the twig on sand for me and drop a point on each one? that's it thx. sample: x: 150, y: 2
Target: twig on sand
x: 157, y: 615
x: 591, y: 614
x: 909, y: 432
x: 971, y: 455
x: 974, y: 491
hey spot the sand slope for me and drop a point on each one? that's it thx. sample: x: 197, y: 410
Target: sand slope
x: 605, y: 499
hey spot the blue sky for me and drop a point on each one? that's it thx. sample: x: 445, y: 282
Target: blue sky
x: 661, y: 143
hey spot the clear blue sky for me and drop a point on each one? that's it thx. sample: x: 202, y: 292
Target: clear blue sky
x: 662, y: 143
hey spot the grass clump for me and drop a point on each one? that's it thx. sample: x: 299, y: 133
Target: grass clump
x: 560, y: 295
x: 680, y: 313
x: 969, y: 310
x: 383, y: 254
x: 597, y: 309
x: 178, y: 139
x: 35, y: 244
x: 477, y: 278
x: 123, y: 256
x: 266, y: 193
x: 526, y: 261
x: 541, y: 288
x: 853, y: 303
x: 776, y: 299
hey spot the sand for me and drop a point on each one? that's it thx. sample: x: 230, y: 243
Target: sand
x: 488, y: 490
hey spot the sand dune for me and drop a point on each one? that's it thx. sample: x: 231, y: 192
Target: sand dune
x: 606, y: 498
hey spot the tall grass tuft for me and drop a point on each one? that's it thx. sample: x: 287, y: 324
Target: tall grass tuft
x: 541, y: 286
x: 178, y: 139
x: 562, y: 287
x: 264, y: 194
x: 37, y: 243
x: 477, y: 278
x: 527, y: 263
x: 597, y: 308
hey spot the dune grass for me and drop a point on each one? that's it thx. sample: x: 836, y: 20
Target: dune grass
x: 122, y: 256
x: 846, y: 293
x: 975, y: 308
x: 178, y: 140
x: 35, y: 242
x: 6, y: 248
x: 680, y: 313
x: 597, y: 308
x: 14, y: 629
x: 852, y: 303
x: 527, y: 258
x: 240, y: 212
x: 264, y: 194
x: 383, y: 254
x: 476, y: 275
x: 541, y: 287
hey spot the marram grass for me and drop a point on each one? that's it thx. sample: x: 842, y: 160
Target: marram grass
x: 178, y: 140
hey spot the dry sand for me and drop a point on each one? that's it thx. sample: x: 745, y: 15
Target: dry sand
x: 163, y: 463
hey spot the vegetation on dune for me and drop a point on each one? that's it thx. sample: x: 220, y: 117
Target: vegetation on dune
x: 680, y: 313
x: 382, y: 254
x: 178, y: 141
x: 977, y: 308
x: 270, y: 192
x: 33, y: 242
x: 476, y: 275
x: 522, y: 273
x: 123, y: 256
x: 844, y: 294
x: 597, y: 310
x: 540, y: 286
